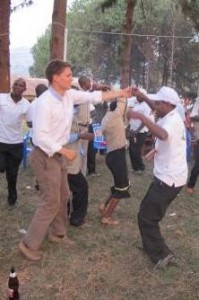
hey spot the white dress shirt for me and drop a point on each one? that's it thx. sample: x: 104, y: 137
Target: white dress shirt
x: 11, y: 117
x: 170, y: 164
x: 52, y: 117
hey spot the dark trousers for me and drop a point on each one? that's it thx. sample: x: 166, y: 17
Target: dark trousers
x: 10, y: 160
x: 135, y: 146
x: 91, y: 154
x: 195, y: 170
x: 152, y: 210
x: 79, y: 187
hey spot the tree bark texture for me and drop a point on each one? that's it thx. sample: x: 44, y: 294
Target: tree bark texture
x: 4, y: 46
x: 57, y: 42
x: 127, y: 44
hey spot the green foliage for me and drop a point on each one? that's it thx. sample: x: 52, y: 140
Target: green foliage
x: 22, y: 4
x: 40, y: 52
x: 91, y: 47
x: 107, y: 4
x: 191, y: 9
x: 95, y: 47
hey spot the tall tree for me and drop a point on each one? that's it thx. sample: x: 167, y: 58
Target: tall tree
x: 191, y: 9
x: 57, y: 43
x: 4, y: 46
x: 127, y: 38
x: 5, y: 10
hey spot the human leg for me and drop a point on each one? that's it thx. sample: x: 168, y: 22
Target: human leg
x: 195, y: 170
x: 152, y: 210
x: 135, y: 145
x: 91, y: 155
x: 60, y: 222
x: 2, y: 159
x: 79, y: 187
x: 14, y: 156
x: 116, y: 162
x: 48, y: 173
x: 84, y: 146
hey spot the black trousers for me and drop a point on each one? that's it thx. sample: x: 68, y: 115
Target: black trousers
x: 195, y: 170
x: 135, y: 146
x: 79, y: 187
x: 10, y: 159
x: 116, y: 162
x: 152, y: 210
x: 91, y: 154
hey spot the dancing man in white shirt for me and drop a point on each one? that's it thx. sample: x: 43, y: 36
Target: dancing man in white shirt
x: 52, y: 120
x: 170, y: 172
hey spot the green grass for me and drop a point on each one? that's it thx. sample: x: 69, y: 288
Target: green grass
x: 106, y: 263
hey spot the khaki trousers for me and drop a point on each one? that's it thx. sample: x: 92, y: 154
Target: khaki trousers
x: 51, y: 213
x: 84, y: 145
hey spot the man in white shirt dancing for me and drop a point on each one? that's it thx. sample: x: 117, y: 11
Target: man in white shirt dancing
x: 52, y: 120
x: 170, y: 172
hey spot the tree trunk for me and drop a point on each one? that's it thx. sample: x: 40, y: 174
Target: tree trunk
x: 4, y: 47
x: 127, y: 48
x: 57, y: 42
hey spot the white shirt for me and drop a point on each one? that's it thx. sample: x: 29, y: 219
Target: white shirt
x: 144, y: 109
x: 131, y: 102
x: 170, y: 164
x: 181, y: 110
x: 11, y: 117
x: 52, y: 117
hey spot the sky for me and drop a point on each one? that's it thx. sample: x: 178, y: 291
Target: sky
x: 29, y: 23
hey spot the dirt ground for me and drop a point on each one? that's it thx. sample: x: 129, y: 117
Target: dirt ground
x: 106, y: 262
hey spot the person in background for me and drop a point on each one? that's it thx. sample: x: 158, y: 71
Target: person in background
x: 138, y: 134
x: 95, y: 116
x: 170, y: 171
x: 77, y: 181
x: 194, y: 115
x: 52, y: 121
x: 113, y: 128
x: 13, y: 111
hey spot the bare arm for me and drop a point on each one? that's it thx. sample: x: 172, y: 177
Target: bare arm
x: 136, y: 92
x: 107, y: 96
x: 153, y: 127
x: 195, y: 118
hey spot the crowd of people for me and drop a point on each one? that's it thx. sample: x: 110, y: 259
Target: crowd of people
x: 61, y: 119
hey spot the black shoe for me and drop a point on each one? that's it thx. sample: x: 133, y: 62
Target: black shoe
x: 77, y: 224
x: 12, y: 201
x: 37, y: 186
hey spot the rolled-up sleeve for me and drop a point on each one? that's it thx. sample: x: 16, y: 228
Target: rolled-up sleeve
x: 80, y: 97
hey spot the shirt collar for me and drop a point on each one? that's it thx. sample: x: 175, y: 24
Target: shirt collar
x: 55, y: 94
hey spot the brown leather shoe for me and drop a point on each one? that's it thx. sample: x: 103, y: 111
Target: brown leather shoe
x: 30, y: 254
x: 65, y: 241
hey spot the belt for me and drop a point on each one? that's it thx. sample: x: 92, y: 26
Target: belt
x: 83, y: 125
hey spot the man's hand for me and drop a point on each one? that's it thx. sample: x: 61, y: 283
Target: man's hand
x: 86, y: 136
x: 127, y: 92
x: 70, y: 154
x: 136, y: 92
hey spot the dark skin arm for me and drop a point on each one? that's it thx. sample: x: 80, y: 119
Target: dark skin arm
x: 136, y: 92
x: 153, y: 127
x: 195, y: 119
